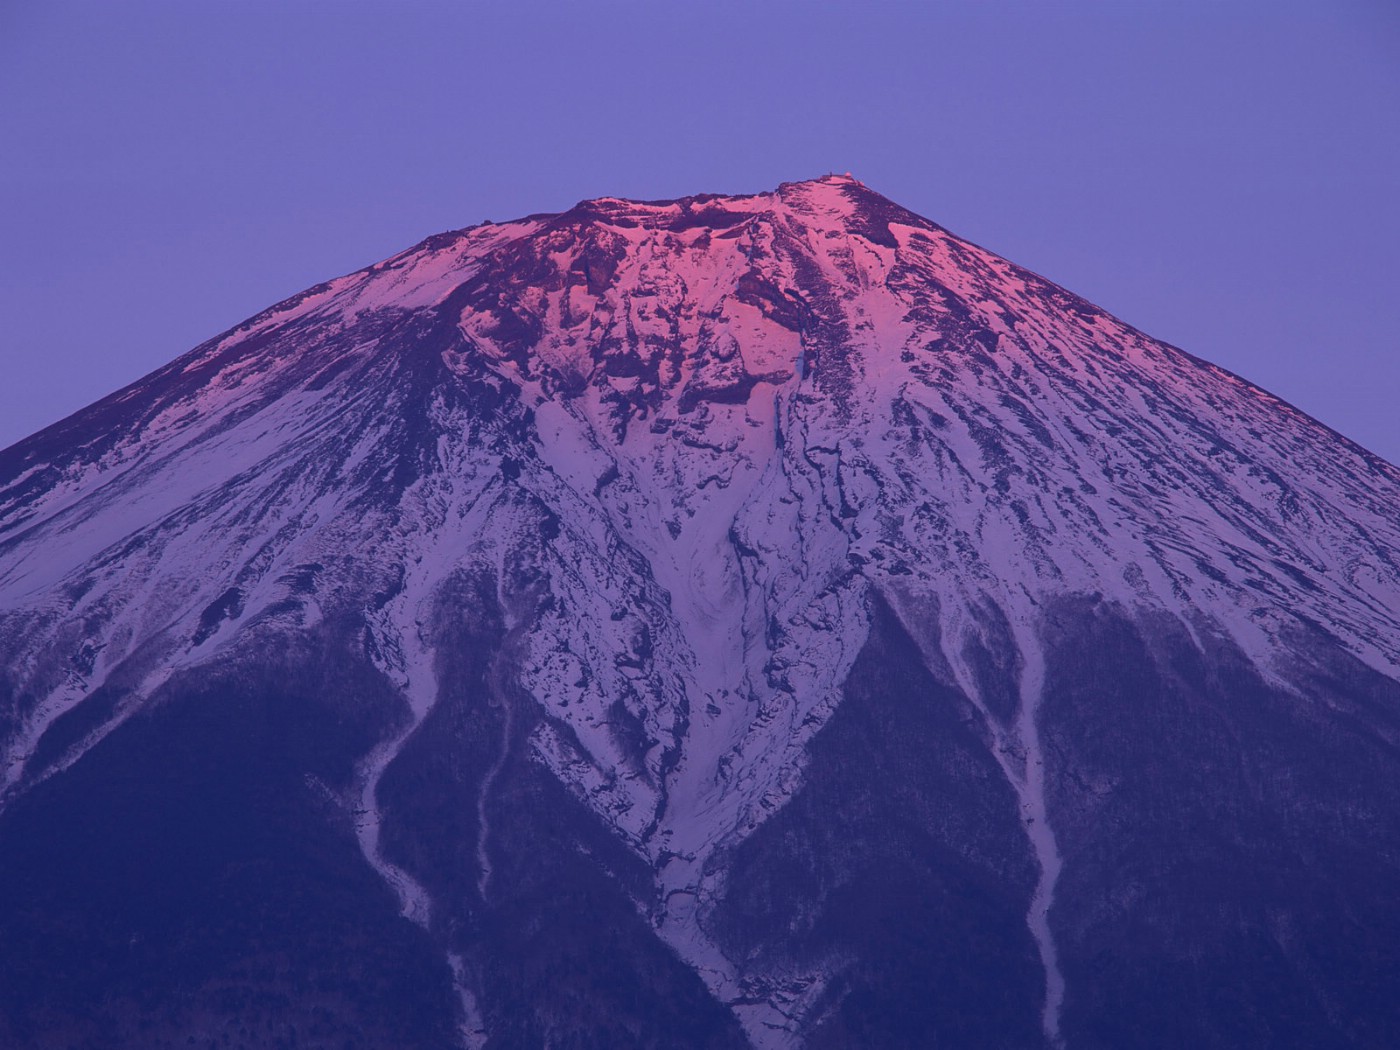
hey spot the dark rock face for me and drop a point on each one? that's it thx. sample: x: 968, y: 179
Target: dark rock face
x: 1223, y: 839
x: 551, y: 928
x: 899, y: 866
x: 1232, y: 848
x: 189, y: 883
x: 730, y: 622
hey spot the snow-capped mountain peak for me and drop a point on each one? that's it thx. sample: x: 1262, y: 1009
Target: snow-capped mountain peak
x: 688, y: 451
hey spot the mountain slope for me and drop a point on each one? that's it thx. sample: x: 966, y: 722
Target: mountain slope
x: 770, y: 619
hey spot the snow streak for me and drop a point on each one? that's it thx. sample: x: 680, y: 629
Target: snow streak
x: 1030, y: 791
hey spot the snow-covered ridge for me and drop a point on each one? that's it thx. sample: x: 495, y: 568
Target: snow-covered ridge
x: 740, y: 416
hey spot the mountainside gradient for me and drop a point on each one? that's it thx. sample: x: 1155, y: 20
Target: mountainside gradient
x: 763, y: 621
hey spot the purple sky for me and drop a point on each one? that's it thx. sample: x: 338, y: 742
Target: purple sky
x: 1223, y: 175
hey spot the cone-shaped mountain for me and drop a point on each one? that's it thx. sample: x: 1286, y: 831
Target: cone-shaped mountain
x: 736, y: 621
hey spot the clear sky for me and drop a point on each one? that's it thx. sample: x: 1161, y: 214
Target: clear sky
x: 1223, y: 174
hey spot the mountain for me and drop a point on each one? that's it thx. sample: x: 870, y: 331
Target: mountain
x: 756, y: 621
